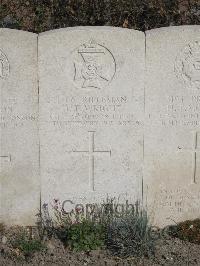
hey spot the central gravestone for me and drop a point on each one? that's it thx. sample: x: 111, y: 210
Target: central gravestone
x: 91, y: 114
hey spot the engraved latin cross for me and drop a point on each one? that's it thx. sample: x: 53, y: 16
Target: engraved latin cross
x: 91, y: 153
x: 194, y: 150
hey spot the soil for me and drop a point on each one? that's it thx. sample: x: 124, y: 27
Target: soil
x: 169, y: 251
x: 41, y: 15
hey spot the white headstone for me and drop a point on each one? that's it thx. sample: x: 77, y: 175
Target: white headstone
x: 172, y: 135
x: 91, y: 113
x: 19, y: 150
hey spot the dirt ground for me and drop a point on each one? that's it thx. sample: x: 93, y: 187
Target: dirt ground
x: 42, y: 15
x: 169, y: 251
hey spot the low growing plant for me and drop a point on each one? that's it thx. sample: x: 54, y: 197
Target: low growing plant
x: 74, y: 230
x: 124, y: 231
x: 86, y: 236
x: 187, y: 231
x: 131, y: 235
x: 27, y: 246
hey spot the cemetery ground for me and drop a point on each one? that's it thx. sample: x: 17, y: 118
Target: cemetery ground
x: 38, y: 16
x: 106, y: 239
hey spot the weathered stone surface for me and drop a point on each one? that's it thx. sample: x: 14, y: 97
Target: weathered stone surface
x: 172, y: 134
x: 104, y: 130
x: 91, y: 113
x: 19, y: 156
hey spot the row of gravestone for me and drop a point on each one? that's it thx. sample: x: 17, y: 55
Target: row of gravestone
x: 95, y: 112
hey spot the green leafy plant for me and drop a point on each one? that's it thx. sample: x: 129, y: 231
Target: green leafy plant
x: 86, y: 236
x: 27, y: 246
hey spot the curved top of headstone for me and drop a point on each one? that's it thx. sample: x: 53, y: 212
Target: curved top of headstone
x: 15, y: 31
x: 98, y: 28
x: 173, y: 28
x: 90, y: 28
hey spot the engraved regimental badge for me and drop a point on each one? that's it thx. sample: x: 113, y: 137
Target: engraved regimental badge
x: 4, y: 66
x: 94, y: 66
x: 187, y: 65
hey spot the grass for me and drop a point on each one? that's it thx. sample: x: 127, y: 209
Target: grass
x: 131, y: 235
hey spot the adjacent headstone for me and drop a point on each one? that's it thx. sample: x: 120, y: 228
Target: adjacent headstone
x: 172, y: 134
x: 19, y: 143
x: 91, y: 113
